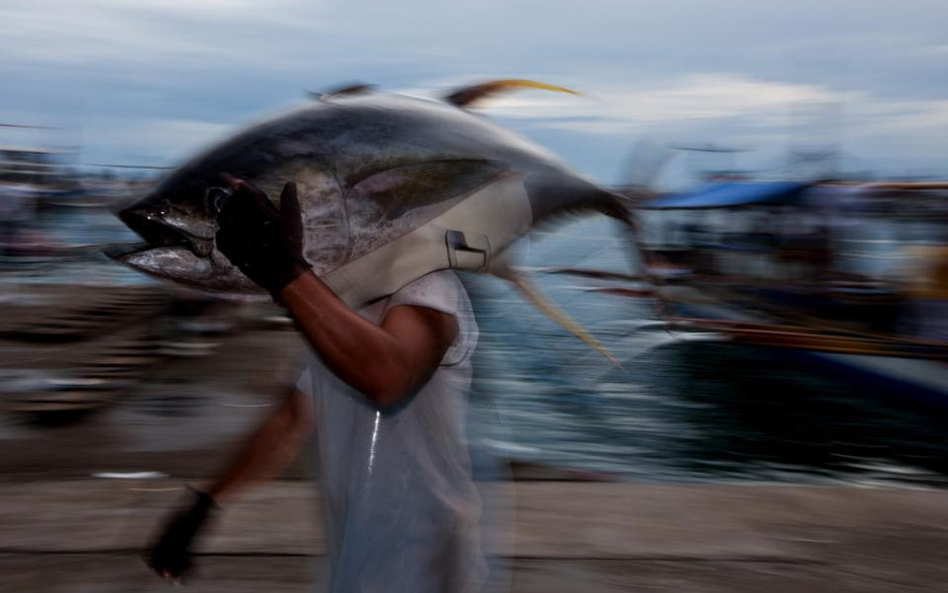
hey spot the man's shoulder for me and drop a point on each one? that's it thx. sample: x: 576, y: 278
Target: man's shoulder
x: 438, y: 277
x: 441, y: 285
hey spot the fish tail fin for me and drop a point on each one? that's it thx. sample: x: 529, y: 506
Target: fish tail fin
x: 644, y: 262
x: 530, y: 292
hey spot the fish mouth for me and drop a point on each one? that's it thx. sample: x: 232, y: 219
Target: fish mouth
x: 157, y: 233
x: 122, y: 251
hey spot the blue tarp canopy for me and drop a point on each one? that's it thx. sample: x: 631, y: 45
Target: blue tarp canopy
x: 733, y: 194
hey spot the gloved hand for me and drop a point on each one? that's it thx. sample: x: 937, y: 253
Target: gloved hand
x: 265, y: 243
x: 170, y: 555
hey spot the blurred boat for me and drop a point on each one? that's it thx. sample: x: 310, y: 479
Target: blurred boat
x: 849, y: 277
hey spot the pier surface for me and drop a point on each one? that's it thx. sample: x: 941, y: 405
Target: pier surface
x: 83, y: 535
x: 182, y: 415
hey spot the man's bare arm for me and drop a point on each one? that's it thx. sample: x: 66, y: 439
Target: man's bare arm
x: 386, y: 363
x: 270, y: 450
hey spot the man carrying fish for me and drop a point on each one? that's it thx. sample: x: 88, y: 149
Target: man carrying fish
x: 388, y: 195
x: 386, y: 387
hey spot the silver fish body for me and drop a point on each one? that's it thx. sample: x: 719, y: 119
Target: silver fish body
x: 371, y: 170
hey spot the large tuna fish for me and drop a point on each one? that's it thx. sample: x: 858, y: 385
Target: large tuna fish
x: 391, y: 187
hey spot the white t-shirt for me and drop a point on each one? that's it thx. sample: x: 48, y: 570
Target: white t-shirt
x: 402, y: 511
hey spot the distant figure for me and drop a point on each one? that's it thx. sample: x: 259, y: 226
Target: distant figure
x: 926, y: 284
x: 385, y: 389
x: 17, y: 207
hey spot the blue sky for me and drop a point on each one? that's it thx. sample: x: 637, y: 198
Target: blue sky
x: 148, y: 81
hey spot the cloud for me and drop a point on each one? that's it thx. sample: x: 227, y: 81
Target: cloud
x: 676, y: 101
x: 730, y: 71
x: 152, y: 141
x: 684, y: 105
x: 766, y: 116
x: 724, y: 107
x: 752, y: 109
x: 140, y: 34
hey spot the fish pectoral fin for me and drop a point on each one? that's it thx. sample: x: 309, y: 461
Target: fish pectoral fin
x: 397, y: 190
x: 468, y: 95
x: 529, y: 291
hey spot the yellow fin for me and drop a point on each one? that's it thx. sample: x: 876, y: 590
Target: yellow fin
x: 530, y: 292
x: 471, y: 94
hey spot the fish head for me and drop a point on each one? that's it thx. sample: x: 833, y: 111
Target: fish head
x: 178, y: 221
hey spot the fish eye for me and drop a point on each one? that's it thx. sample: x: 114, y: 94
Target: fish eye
x: 215, y: 197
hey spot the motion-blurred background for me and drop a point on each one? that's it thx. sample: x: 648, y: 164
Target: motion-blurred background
x: 778, y: 419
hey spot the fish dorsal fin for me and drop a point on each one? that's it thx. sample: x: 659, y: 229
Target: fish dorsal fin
x: 466, y: 96
x: 357, y: 88
x: 529, y: 291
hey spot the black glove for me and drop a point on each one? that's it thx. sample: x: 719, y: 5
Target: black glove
x: 170, y: 555
x: 265, y: 243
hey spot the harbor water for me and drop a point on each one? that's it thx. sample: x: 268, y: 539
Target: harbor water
x: 677, y: 408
